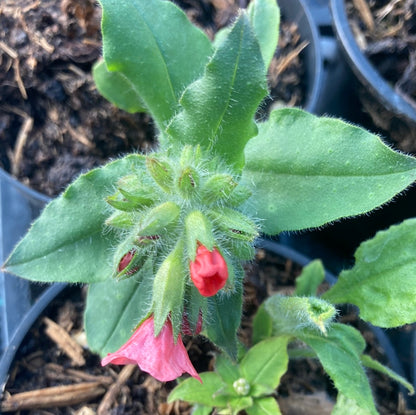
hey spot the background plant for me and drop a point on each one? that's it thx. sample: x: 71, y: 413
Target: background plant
x: 218, y: 179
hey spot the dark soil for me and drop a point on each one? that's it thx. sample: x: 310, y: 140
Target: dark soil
x: 53, y: 122
x: 304, y: 389
x: 385, y: 30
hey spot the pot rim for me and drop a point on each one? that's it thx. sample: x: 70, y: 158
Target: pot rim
x: 362, y: 67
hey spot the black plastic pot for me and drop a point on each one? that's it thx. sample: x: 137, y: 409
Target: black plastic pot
x: 365, y: 71
x: 49, y: 294
x: 19, y: 205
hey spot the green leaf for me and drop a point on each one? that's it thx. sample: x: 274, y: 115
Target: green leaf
x: 157, y: 49
x: 262, y: 325
x: 67, y: 243
x: 266, y: 362
x: 292, y: 315
x: 218, y: 109
x: 224, y: 312
x: 382, y: 282
x: 114, y: 309
x: 264, y: 406
x: 308, y: 171
x: 168, y: 291
x: 201, y: 410
x: 345, y: 406
x: 208, y: 393
x: 228, y: 371
x: 265, y: 19
x: 375, y: 365
x: 117, y: 89
x: 309, y: 280
x: 339, y: 353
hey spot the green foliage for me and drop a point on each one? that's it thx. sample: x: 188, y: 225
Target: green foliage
x: 382, y: 282
x: 218, y: 108
x: 308, y: 171
x: 152, y: 43
x: 66, y: 242
x: 312, y: 276
x: 242, y: 386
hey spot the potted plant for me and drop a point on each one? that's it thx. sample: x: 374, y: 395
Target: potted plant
x: 160, y: 237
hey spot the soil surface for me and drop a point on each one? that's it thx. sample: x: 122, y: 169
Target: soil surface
x: 385, y: 30
x: 53, y: 122
x: 42, y: 362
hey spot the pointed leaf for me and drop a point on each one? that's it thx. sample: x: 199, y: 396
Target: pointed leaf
x: 308, y: 171
x: 382, y: 282
x: 153, y: 44
x: 264, y: 406
x: 345, y: 406
x: 219, y: 107
x: 228, y: 370
x: 117, y: 89
x: 311, y: 277
x: 266, y: 362
x: 224, y: 312
x: 339, y: 353
x: 114, y: 309
x: 265, y: 18
x: 67, y: 242
x: 369, y: 362
x: 208, y: 393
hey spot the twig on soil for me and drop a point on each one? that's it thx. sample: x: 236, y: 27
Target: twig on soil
x: 55, y: 396
x: 365, y: 13
x: 18, y: 78
x: 287, y: 60
x: 111, y: 395
x: 21, y: 140
x: 65, y: 342
x: 11, y: 52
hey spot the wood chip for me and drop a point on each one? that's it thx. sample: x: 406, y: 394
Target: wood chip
x: 11, y: 52
x: 111, y: 395
x: 285, y: 61
x: 21, y: 140
x: 65, y: 342
x: 365, y: 13
x: 18, y: 78
x: 56, y: 396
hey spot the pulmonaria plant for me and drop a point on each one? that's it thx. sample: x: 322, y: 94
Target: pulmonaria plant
x: 160, y: 238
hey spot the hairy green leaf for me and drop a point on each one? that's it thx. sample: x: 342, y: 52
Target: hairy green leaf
x: 382, y: 282
x: 141, y: 40
x: 339, y: 353
x: 207, y: 394
x: 308, y: 171
x: 117, y: 89
x: 218, y: 109
x: 345, y: 406
x: 265, y: 18
x: 369, y: 362
x: 312, y: 276
x: 114, y: 308
x: 266, y: 362
x: 67, y: 243
x: 264, y: 406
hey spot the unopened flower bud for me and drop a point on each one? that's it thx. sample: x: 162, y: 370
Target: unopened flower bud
x: 239, y: 195
x: 188, y: 182
x: 186, y: 328
x: 191, y: 155
x: 118, y: 201
x: 209, y: 271
x: 218, y: 188
x: 159, y: 218
x: 234, y: 224
x: 128, y: 265
x: 132, y: 189
x: 161, y: 172
x: 122, y: 220
x: 198, y: 229
x: 242, y: 387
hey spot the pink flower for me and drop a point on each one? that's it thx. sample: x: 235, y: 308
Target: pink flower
x: 209, y: 271
x: 186, y: 328
x: 159, y: 355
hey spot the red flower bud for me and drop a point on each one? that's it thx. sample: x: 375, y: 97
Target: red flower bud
x: 186, y: 328
x: 209, y: 271
x: 125, y: 260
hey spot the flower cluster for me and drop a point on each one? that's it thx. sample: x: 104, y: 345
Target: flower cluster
x: 182, y: 214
